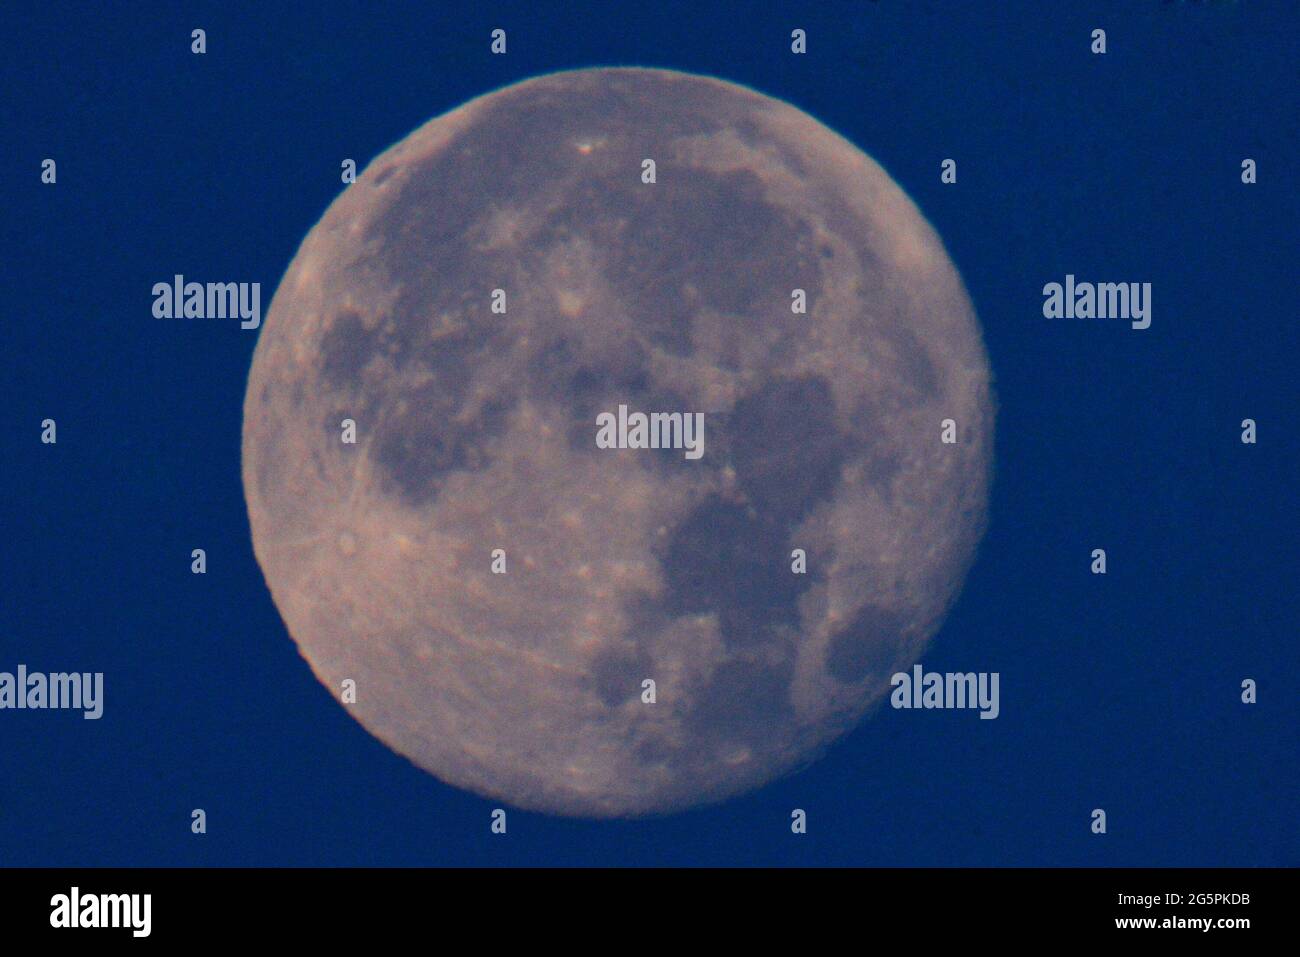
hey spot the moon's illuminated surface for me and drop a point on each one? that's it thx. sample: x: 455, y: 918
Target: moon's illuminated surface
x: 476, y: 431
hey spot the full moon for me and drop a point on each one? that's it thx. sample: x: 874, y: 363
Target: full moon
x: 594, y: 631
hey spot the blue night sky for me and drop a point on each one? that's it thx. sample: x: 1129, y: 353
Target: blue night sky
x: 1120, y: 692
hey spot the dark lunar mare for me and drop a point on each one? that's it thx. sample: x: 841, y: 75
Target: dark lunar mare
x: 733, y: 559
x: 696, y: 239
x: 346, y: 346
x: 787, y: 450
x: 746, y: 701
x: 868, y: 647
x: 729, y: 560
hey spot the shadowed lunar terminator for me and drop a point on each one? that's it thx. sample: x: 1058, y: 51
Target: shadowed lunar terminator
x: 476, y: 431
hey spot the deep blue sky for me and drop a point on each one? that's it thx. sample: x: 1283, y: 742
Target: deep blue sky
x: 1118, y: 692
